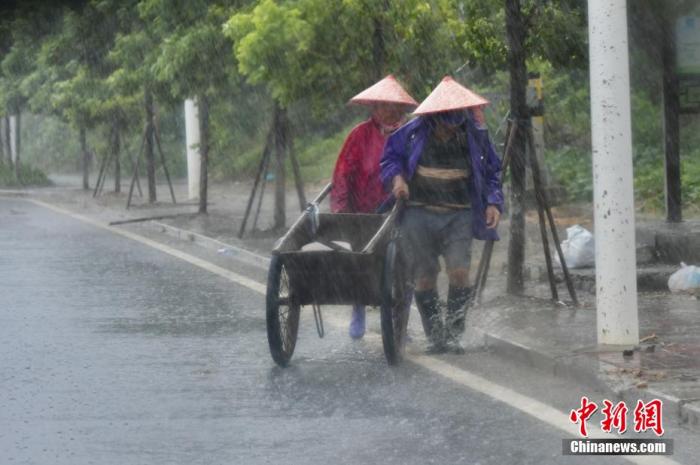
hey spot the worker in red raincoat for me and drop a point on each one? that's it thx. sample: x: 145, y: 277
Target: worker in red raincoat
x: 356, y: 184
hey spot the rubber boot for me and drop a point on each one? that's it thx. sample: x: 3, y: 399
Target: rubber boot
x: 429, y: 308
x: 357, y: 322
x: 457, y: 300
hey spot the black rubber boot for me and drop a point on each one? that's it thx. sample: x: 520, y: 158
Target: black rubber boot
x: 457, y: 300
x: 429, y: 308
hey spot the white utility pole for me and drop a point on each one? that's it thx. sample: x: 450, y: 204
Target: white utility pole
x: 192, y: 139
x: 613, y: 188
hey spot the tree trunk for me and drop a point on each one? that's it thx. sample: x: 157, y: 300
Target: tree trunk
x: 204, y: 140
x: 116, y: 143
x: 671, y: 101
x: 150, y: 153
x: 2, y: 140
x: 516, y: 32
x: 280, y: 115
x: 18, y: 140
x: 378, y: 43
x: 84, y: 158
x: 8, y: 142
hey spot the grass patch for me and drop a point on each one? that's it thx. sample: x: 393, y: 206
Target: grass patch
x: 317, y: 156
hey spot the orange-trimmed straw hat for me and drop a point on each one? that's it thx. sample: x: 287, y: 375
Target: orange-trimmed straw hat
x: 450, y: 95
x: 388, y: 90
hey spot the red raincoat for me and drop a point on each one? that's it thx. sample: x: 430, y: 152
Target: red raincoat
x: 356, y: 184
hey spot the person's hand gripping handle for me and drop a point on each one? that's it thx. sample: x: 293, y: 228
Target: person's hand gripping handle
x: 399, y: 188
x: 493, y: 216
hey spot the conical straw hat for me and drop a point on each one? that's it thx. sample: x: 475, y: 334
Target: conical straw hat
x: 450, y: 95
x: 388, y: 90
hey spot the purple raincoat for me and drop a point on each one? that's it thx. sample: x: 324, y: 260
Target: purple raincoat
x: 404, y: 148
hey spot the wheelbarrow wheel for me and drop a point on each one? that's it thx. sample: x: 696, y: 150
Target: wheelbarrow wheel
x: 282, y: 313
x: 394, y: 314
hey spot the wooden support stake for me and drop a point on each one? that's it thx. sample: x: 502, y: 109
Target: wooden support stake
x: 262, y: 192
x: 263, y: 161
x: 104, y: 176
x: 149, y: 218
x: 133, y: 164
x: 99, y: 175
x: 162, y: 162
x: 482, y: 271
x: 280, y: 144
x: 543, y: 232
x: 537, y: 181
x: 136, y: 168
x: 485, y: 261
x: 512, y: 128
x: 297, y: 173
x: 134, y: 178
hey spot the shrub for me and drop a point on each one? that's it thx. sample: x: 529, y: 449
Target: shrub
x: 28, y: 176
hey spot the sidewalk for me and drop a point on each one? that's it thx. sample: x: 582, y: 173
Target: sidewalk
x: 557, y: 339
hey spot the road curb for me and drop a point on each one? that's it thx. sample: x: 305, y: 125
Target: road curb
x: 580, y: 368
x: 690, y: 414
x: 592, y: 373
x: 237, y: 252
x: 13, y: 193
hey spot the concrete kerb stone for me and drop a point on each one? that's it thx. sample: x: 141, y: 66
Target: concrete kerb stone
x: 583, y: 369
x: 578, y: 368
x: 690, y: 414
x: 591, y: 373
x: 652, y: 278
x: 14, y: 193
x: 238, y: 252
x: 685, y: 412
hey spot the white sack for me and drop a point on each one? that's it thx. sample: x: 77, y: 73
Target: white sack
x: 578, y: 247
x: 687, y: 279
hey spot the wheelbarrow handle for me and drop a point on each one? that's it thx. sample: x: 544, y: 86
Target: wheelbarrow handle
x: 311, y: 212
x: 396, y: 211
x: 322, y: 195
x: 387, y: 225
x: 389, y: 204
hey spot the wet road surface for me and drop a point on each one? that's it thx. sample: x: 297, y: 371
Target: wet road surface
x: 112, y: 352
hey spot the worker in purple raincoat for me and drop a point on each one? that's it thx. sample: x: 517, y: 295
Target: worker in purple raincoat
x: 446, y: 168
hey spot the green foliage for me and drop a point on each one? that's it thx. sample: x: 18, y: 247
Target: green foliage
x: 23, y: 31
x: 49, y: 144
x: 28, y: 175
x: 325, y: 50
x: 558, y: 32
x: 90, y: 65
x: 571, y: 168
x: 690, y: 176
x: 272, y: 44
x: 191, y: 52
x: 479, y: 33
x: 317, y: 155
